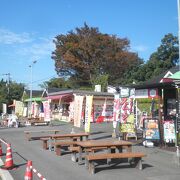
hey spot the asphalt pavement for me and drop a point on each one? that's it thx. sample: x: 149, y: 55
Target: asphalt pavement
x: 157, y: 165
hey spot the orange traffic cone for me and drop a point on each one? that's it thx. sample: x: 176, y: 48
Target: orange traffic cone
x: 28, y: 174
x: 9, y: 160
x: 1, y: 153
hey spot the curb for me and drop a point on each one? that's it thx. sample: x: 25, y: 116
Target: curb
x: 5, y: 173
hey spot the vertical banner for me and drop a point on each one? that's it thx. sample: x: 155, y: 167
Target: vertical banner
x: 78, y: 110
x: 25, y: 110
x: 36, y: 109
x: 126, y: 108
x: 46, y: 107
x: 4, y: 108
x: 71, y: 111
x: 88, y: 111
x: 116, y: 108
x: 19, y: 106
x: 104, y: 108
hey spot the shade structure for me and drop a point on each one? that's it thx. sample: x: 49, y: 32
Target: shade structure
x: 34, y: 99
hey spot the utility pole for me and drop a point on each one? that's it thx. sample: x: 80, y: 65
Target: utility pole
x: 8, y: 80
x: 31, y: 68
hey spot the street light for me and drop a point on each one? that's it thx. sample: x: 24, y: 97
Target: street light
x: 31, y: 66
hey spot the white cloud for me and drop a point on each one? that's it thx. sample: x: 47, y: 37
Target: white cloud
x: 140, y: 48
x: 9, y: 37
x: 38, y: 50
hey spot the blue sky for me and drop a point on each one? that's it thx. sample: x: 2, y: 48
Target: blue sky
x: 27, y: 28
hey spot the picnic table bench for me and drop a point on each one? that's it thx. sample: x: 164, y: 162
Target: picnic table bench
x: 37, y: 121
x: 28, y: 134
x: 58, y: 146
x: 76, y: 149
x: 110, y: 145
x: 46, y: 139
x: 137, y: 156
x: 72, y: 137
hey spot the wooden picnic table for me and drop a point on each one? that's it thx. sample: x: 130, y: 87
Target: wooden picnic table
x: 71, y: 136
x: 105, y: 144
x: 28, y: 133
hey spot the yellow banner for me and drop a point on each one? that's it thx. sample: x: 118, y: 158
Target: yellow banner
x: 19, y: 106
x: 88, y: 112
x: 128, y: 128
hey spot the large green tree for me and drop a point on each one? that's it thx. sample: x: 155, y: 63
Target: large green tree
x: 9, y: 92
x: 85, y: 55
x: 165, y: 57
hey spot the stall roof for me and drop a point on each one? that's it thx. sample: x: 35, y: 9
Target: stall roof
x: 175, y: 75
x: 58, y: 96
x: 81, y: 92
x: 157, y: 82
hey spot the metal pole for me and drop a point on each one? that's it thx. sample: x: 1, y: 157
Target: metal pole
x: 177, y: 145
x: 31, y: 87
x: 31, y: 92
x: 178, y: 6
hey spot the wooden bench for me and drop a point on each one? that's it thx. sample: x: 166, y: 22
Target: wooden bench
x: 46, y: 139
x: 37, y: 121
x: 91, y: 158
x: 28, y: 134
x: 58, y: 146
x: 76, y: 149
x: 45, y: 142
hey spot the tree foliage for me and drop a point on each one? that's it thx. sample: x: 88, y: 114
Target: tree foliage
x: 10, y: 92
x: 86, y: 53
x: 165, y: 57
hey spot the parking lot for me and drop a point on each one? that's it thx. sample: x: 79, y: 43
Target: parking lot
x: 158, y: 165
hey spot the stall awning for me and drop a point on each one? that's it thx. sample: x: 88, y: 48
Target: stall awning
x: 34, y: 99
x: 11, y: 105
x: 58, y: 96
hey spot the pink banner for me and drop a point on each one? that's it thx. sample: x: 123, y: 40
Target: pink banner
x: 116, y: 109
x: 126, y: 108
x: 78, y: 110
x: 46, y: 111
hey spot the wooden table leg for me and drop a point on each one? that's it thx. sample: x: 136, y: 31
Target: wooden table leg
x: 45, y: 144
x: 109, y: 160
x: 28, y: 136
x: 80, y: 155
x: 50, y: 144
x: 58, y: 150
x: 86, y: 161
